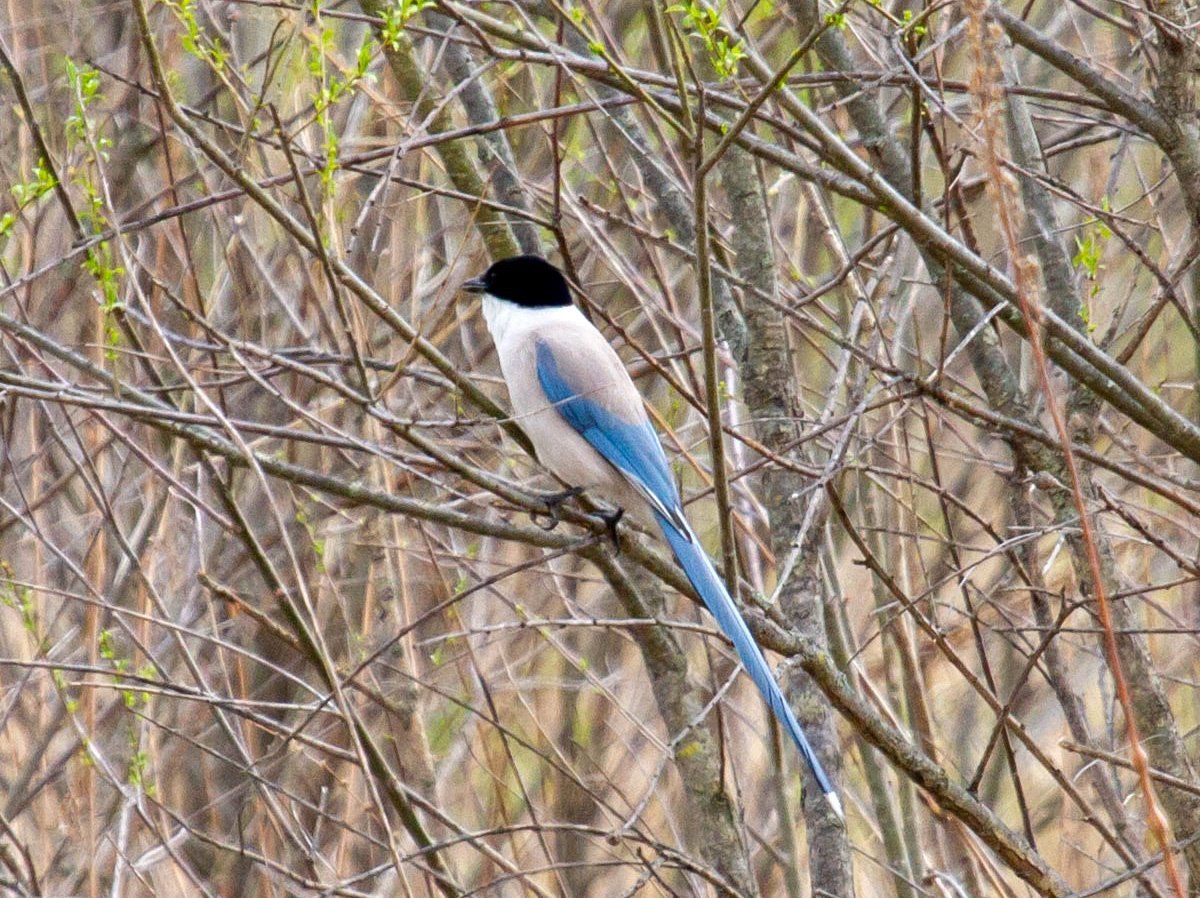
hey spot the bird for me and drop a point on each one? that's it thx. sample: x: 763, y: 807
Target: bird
x: 575, y: 400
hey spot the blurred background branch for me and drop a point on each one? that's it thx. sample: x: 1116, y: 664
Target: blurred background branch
x: 274, y: 611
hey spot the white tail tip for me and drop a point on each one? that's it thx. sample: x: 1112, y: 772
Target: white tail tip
x: 836, y: 804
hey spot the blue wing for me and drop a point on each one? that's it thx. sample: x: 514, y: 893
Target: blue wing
x: 633, y: 448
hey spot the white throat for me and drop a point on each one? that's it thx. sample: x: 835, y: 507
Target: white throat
x: 506, y: 320
x: 498, y: 315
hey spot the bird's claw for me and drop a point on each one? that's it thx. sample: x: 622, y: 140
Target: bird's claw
x: 554, y: 501
x: 611, y: 519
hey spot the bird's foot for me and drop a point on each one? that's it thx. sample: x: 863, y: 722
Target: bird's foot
x: 611, y: 519
x: 553, y: 502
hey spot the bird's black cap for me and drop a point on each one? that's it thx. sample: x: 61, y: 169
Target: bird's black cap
x: 523, y: 280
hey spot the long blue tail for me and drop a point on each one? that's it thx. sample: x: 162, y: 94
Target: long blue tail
x: 699, y: 569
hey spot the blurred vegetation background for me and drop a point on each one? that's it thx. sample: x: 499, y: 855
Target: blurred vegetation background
x: 279, y: 612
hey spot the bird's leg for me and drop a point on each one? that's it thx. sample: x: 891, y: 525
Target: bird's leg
x: 554, y: 501
x: 611, y: 519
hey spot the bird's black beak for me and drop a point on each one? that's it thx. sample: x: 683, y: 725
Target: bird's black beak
x: 475, y: 285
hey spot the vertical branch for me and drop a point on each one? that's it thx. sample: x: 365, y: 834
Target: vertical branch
x: 712, y: 368
x: 494, y: 229
x: 771, y: 394
x: 495, y: 152
x: 712, y: 820
x: 986, y: 92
